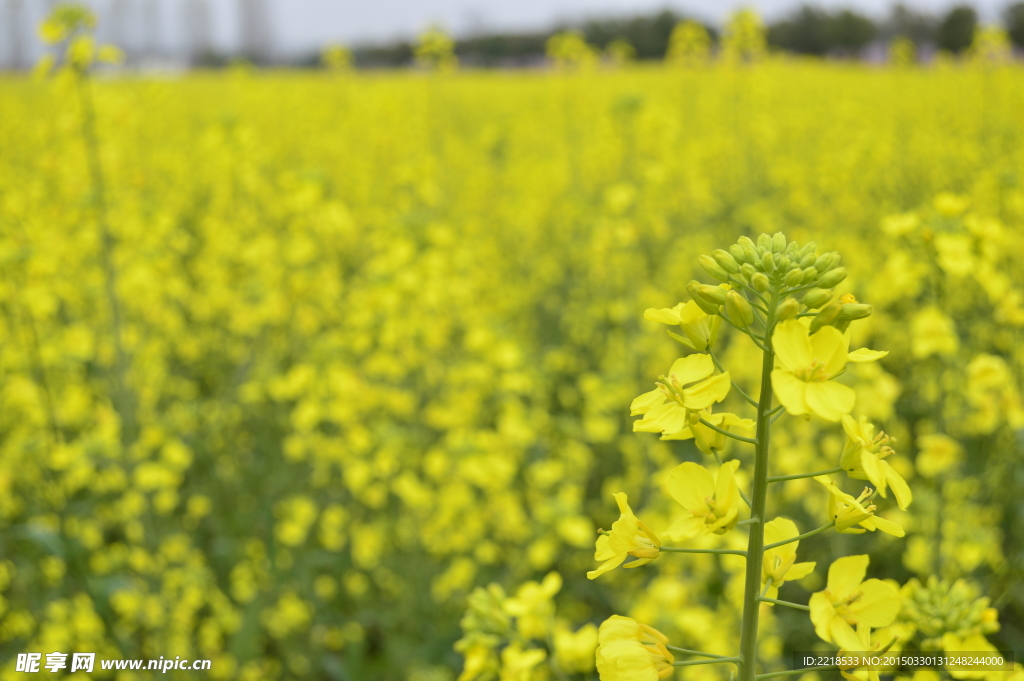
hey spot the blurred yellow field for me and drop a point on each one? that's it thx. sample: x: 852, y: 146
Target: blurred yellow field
x: 325, y: 354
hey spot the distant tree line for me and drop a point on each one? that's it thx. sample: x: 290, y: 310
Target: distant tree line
x: 808, y: 30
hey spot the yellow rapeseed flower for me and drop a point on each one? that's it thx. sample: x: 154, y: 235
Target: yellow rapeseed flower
x: 780, y: 563
x: 712, y: 503
x: 630, y: 651
x: 629, y: 537
x: 708, y: 440
x: 851, y: 515
x: 689, y: 386
x: 700, y: 329
x: 864, y: 456
x: 848, y: 600
x: 804, y: 383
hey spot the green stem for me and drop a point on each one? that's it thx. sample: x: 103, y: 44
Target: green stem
x: 734, y: 436
x: 748, y: 521
x: 755, y: 541
x: 802, y: 536
x: 794, y: 672
x: 687, y: 651
x: 728, y: 552
x: 781, y: 478
x: 735, y: 386
x: 717, y: 660
x: 785, y: 603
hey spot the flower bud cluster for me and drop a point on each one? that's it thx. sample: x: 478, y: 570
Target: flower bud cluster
x: 939, y: 607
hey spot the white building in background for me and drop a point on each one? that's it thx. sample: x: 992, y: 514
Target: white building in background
x: 154, y: 34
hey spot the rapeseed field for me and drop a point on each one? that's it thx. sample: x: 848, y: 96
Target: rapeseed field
x: 329, y: 375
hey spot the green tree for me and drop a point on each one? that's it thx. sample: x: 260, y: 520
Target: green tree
x: 1013, y: 19
x: 957, y: 29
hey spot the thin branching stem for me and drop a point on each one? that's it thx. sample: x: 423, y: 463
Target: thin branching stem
x: 728, y: 552
x: 687, y: 651
x: 723, y: 431
x: 798, y: 476
x: 802, y: 536
x: 743, y: 495
x: 717, y: 660
x: 785, y: 603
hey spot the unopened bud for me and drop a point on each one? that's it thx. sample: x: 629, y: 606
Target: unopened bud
x: 712, y: 268
x: 760, y: 282
x: 779, y: 242
x: 809, y: 248
x: 807, y: 260
x: 715, y: 294
x: 740, y: 312
x: 794, y: 278
x: 787, y: 310
x: 816, y: 297
x: 709, y: 307
x: 768, y: 262
x: 748, y: 270
x: 824, y: 262
x: 738, y: 253
x: 791, y: 248
x: 809, y: 274
x: 830, y: 279
x: 851, y: 311
x: 826, y: 317
x: 725, y: 261
x: 745, y: 242
x: 764, y: 242
x: 783, y: 263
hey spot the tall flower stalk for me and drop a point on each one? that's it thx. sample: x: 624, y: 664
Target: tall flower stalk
x: 778, y: 294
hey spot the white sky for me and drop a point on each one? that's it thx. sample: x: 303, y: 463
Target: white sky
x: 303, y: 26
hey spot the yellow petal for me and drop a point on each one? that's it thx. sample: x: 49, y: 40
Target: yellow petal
x: 665, y: 315
x: 831, y: 347
x: 706, y: 393
x: 791, y: 344
x: 899, y: 486
x: 622, y: 501
x: 887, y: 526
x: 865, y: 355
x: 602, y: 549
x: 644, y: 403
x: 799, y: 571
x: 606, y: 566
x: 878, y: 605
x: 727, y: 494
x: 687, y: 527
x: 873, y: 469
x: 691, y: 369
x: 844, y: 636
x: 822, y: 614
x: 690, y: 484
x: 618, y: 628
x: 791, y: 391
x: 778, y: 530
x: 845, y: 574
x: 830, y: 400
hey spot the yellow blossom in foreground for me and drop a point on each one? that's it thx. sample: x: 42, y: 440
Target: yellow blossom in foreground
x: 863, y: 459
x: 708, y: 440
x: 712, y: 503
x: 850, y: 600
x: 630, y: 651
x: 851, y: 515
x: 688, y: 387
x: 804, y: 383
x: 973, y: 643
x: 700, y: 329
x: 532, y: 606
x: 629, y: 537
x: 860, y: 644
x: 779, y: 563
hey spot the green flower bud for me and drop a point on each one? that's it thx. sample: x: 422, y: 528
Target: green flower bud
x: 760, y: 282
x: 782, y: 263
x: 851, y: 311
x: 807, y: 261
x: 809, y: 274
x: 826, y: 317
x: 832, y: 278
x: 751, y: 255
x: 787, y: 310
x: 808, y: 249
x: 748, y: 270
x: 738, y: 253
x: 709, y: 307
x: 725, y: 261
x: 791, y: 250
x: 824, y: 262
x: 712, y: 268
x: 816, y: 297
x: 794, y: 278
x: 745, y: 242
x: 779, y: 242
x: 768, y: 262
x: 715, y: 294
x: 764, y: 242
x: 740, y: 312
